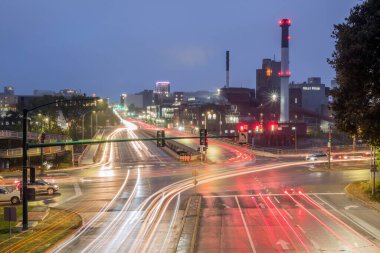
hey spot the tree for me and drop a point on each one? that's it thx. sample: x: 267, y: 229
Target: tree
x: 356, y: 59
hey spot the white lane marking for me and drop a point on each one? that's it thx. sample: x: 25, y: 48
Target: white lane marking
x: 78, y: 193
x: 283, y: 244
x: 356, y: 220
x: 270, y: 194
x: 303, y: 231
x: 287, y: 213
x: 276, y: 200
x: 226, y: 206
x: 316, y: 245
x: 245, y: 226
x: 164, y: 246
x: 350, y: 206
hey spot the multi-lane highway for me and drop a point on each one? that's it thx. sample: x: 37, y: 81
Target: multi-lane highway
x: 133, y: 201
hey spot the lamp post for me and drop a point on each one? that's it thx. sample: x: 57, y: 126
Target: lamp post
x: 25, y: 112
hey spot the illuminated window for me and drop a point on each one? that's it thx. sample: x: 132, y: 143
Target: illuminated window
x: 269, y: 72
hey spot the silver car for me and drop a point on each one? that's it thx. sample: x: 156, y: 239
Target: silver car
x: 42, y: 186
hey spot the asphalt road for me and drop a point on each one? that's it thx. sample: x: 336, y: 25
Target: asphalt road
x: 133, y: 201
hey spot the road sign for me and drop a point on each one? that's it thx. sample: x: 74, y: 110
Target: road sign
x: 243, y: 137
x: 10, y: 213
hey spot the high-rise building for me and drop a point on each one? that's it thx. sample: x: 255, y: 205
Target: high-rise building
x: 268, y: 80
x: 8, y: 99
x: 162, y: 88
x: 9, y: 90
x: 123, y: 100
x: 162, y: 92
x: 178, y: 96
x: 147, y: 97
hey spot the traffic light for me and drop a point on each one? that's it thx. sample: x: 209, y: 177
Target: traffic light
x: 160, y: 138
x: 330, y: 137
x: 42, y: 137
x: 203, y: 137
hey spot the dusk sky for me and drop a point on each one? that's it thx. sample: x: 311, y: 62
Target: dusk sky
x: 115, y: 46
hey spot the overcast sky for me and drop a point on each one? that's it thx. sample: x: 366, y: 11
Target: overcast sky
x: 114, y: 46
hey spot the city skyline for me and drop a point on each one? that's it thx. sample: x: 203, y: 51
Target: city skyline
x: 55, y: 45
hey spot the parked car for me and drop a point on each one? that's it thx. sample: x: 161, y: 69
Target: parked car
x: 42, y: 186
x: 8, y: 194
x: 316, y: 156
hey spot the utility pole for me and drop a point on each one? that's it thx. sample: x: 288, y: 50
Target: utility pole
x: 295, y: 138
x: 373, y: 170
x: 24, y: 169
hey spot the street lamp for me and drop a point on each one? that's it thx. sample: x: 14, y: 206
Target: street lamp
x: 25, y: 112
x: 295, y: 137
x: 274, y: 97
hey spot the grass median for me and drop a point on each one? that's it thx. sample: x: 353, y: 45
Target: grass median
x: 56, y: 226
x: 363, y: 191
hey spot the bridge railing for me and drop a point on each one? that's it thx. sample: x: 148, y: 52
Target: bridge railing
x: 33, y: 136
x: 17, y: 152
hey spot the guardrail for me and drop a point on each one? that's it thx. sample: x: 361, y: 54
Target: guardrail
x: 33, y: 136
x: 17, y: 152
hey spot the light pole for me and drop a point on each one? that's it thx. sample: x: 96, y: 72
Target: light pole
x: 206, y: 114
x: 25, y: 112
x: 295, y: 137
x: 220, y: 123
x: 91, y: 124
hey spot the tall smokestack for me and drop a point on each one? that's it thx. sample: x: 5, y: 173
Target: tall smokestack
x: 227, y: 69
x: 285, y: 72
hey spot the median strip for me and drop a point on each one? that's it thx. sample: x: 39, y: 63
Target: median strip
x: 190, y: 224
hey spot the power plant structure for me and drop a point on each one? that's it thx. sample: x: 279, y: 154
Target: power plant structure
x: 227, y: 69
x: 285, y: 72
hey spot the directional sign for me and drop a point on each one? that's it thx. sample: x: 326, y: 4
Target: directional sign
x: 10, y: 214
x: 243, y: 137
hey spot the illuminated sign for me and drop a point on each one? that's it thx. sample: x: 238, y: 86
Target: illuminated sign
x: 311, y: 88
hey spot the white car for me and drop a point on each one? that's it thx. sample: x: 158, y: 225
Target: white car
x: 8, y: 194
x: 317, y: 156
